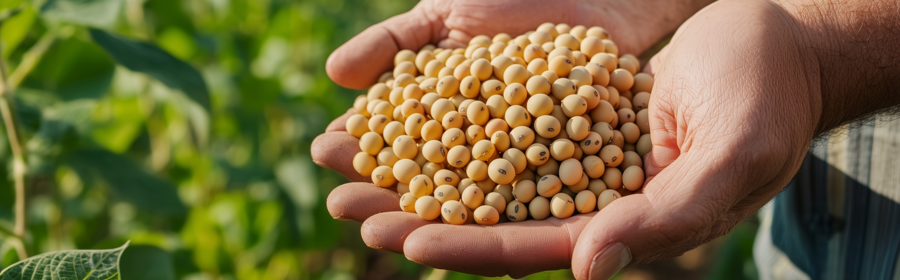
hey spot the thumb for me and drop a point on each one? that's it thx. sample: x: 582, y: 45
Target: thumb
x: 675, y: 213
x: 358, y: 62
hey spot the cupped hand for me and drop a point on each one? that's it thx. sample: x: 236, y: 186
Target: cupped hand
x: 732, y: 113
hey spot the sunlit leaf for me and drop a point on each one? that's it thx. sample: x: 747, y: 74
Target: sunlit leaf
x: 127, y: 180
x: 65, y: 265
x: 97, y: 13
x: 15, y: 28
x: 9, y: 4
x: 146, y: 262
x: 156, y: 62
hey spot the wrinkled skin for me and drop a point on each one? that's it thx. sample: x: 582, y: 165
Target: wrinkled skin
x: 732, y: 114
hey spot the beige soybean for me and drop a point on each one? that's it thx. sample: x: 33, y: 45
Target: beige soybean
x: 497, y: 106
x: 597, y: 186
x: 434, y: 151
x: 486, y: 215
x: 408, y: 203
x: 477, y: 113
x: 591, y: 46
x: 446, y: 177
x: 618, y: 139
x: 521, y: 137
x: 410, y: 107
x: 501, y: 141
x: 611, y: 155
x: 629, y: 148
x: 458, y: 156
x: 403, y: 80
x: 592, y: 143
x: 612, y: 178
x: 608, y: 61
x: 371, y: 143
x: 540, y: 37
x: 501, y: 171
x: 538, y: 66
x: 492, y: 87
x: 631, y: 158
x: 550, y: 76
x: 593, y: 166
x: 562, y: 149
x: 517, y: 158
x: 599, y: 74
x: 428, y: 208
x: 585, y: 201
x: 524, y: 191
x: 452, y: 120
x: 477, y: 170
x: 539, y: 208
x: 570, y: 171
x: 515, y: 94
x: 448, y: 86
x: 606, y: 197
x: 481, y: 68
x: 515, y: 74
x: 516, y: 211
x: 472, y: 197
x: 483, y: 150
x: 470, y: 87
x: 378, y: 122
x: 391, y: 131
x: 405, y: 169
x: 562, y: 88
x: 621, y: 79
x: 534, y: 51
x: 550, y: 167
x: 625, y: 102
x: 613, y: 96
x: 561, y: 65
x: 359, y: 105
x: 578, y: 128
x: 643, y: 121
x: 539, y: 105
x: 414, y: 124
x: 643, y: 145
x: 517, y: 116
x: 441, y: 107
x: 579, y: 59
x: 626, y: 115
x: 580, y: 76
x: 548, y: 185
x: 444, y: 193
x: 499, y: 65
x: 641, y: 101
x: 574, y: 105
x: 547, y: 126
x: 474, y: 134
x: 633, y: 178
x: 383, y: 176
x: 386, y: 157
x: 453, y: 137
x: 420, y: 185
x: 505, y: 191
x: 495, y: 200
x: 357, y: 125
x: 562, y: 206
x: 630, y: 132
x: 643, y: 82
x: 405, y: 147
x: 538, y: 85
x: 513, y: 50
x: 364, y: 163
x: 378, y: 91
x: 462, y: 70
x: 537, y: 154
x: 432, y: 130
x: 496, y: 125
x: 454, y: 212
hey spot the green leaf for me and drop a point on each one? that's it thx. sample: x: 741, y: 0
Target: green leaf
x: 127, y: 180
x: 64, y: 265
x: 146, y: 262
x: 96, y: 13
x: 15, y: 28
x: 156, y: 62
x: 9, y: 4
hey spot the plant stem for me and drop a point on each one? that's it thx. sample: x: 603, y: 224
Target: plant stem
x: 19, y: 166
x: 30, y: 59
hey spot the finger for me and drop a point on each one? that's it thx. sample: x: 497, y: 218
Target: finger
x: 515, y: 249
x: 359, y: 201
x: 678, y: 210
x: 358, y: 63
x: 340, y: 123
x: 388, y: 230
x: 335, y: 150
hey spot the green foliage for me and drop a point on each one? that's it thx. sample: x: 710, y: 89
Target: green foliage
x: 68, y: 265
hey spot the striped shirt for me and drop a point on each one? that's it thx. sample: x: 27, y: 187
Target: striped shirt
x: 839, y: 218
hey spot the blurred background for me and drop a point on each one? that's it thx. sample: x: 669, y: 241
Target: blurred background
x: 184, y: 126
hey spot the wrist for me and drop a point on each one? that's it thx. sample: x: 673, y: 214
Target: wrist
x: 855, y: 58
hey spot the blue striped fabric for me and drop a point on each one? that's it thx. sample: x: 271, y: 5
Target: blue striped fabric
x: 839, y: 218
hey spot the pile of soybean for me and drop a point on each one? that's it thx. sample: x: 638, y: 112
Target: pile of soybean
x: 551, y: 122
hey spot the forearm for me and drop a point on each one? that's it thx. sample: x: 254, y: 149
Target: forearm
x: 856, y: 46
x: 647, y: 20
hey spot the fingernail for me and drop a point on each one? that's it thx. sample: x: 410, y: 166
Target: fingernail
x: 610, y: 261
